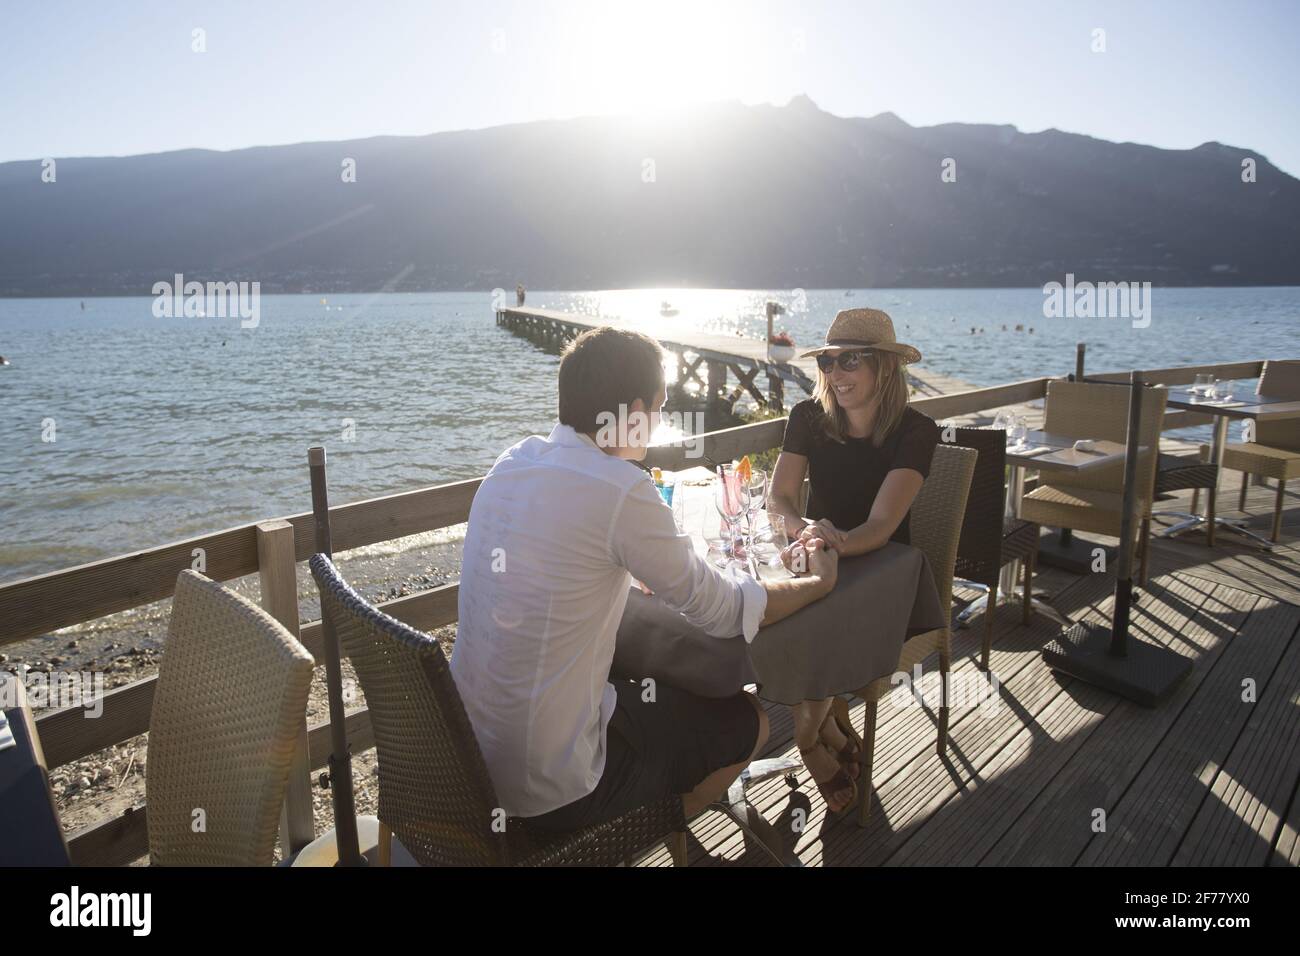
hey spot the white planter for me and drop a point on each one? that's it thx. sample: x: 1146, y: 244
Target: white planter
x: 780, y: 353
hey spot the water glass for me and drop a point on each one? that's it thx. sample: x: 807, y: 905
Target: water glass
x: 1002, y: 421
x: 1202, y: 383
x: 776, y: 538
x: 1019, y: 429
x: 1222, y: 390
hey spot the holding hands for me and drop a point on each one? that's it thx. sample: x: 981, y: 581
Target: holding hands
x: 824, y: 531
x: 812, y: 555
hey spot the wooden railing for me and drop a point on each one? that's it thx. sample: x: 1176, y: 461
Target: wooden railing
x: 271, y: 549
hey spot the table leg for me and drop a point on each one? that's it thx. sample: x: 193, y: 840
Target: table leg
x: 758, y: 832
x: 1009, y: 586
x: 1236, y: 525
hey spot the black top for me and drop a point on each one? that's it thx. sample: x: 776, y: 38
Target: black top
x: 846, y: 477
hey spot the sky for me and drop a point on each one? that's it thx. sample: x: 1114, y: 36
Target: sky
x: 96, y: 79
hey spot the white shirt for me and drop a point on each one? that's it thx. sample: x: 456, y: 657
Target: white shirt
x: 556, y: 532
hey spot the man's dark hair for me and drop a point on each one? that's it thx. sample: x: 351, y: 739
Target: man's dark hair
x: 604, y: 368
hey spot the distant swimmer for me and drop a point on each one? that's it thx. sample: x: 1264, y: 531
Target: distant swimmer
x: 3, y: 360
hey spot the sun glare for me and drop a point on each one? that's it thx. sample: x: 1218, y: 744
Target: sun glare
x: 638, y: 58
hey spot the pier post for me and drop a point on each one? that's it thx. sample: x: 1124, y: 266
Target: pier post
x: 775, y: 391
x: 277, y: 572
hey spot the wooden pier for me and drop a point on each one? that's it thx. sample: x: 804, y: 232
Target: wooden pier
x: 724, y: 357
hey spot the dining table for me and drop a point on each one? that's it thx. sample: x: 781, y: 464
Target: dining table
x: 1233, y: 401
x: 838, y: 644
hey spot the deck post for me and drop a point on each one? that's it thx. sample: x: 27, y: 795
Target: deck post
x: 278, y: 574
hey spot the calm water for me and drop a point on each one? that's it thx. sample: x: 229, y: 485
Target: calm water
x: 166, y: 428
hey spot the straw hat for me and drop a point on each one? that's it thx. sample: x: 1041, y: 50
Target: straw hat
x: 864, y: 328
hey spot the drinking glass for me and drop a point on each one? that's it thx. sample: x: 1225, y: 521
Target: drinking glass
x: 1003, y: 421
x: 776, y: 537
x: 714, y: 533
x: 1222, y: 390
x: 679, y: 507
x: 1019, y: 429
x: 729, y: 502
x: 754, y: 494
x: 1202, y: 383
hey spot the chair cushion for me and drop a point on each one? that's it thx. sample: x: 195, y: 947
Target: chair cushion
x: 1064, y: 506
x: 1262, y: 460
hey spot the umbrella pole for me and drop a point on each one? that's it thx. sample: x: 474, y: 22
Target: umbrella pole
x: 1139, y: 670
x: 340, y: 759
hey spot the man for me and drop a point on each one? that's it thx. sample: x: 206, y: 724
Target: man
x: 558, y: 529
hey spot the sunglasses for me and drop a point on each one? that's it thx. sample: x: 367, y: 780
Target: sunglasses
x: 848, y: 361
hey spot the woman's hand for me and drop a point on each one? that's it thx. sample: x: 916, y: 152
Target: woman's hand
x: 827, y: 532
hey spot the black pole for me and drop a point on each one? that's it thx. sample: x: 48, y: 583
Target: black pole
x: 340, y: 760
x: 1124, y: 573
x: 1079, y: 349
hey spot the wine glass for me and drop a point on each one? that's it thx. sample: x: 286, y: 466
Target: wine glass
x: 754, y: 493
x: 729, y: 502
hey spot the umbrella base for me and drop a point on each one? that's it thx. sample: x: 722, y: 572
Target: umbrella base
x: 1146, y: 675
x: 1074, y: 554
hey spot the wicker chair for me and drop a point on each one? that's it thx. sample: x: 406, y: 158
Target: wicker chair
x: 1185, y: 473
x: 435, y: 795
x: 936, y: 519
x: 1275, y: 452
x: 989, y: 538
x: 232, y: 691
x: 1092, y: 500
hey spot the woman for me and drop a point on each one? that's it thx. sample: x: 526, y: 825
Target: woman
x: 866, y: 453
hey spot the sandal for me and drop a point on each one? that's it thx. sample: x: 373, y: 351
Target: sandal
x: 828, y: 788
x: 851, y: 755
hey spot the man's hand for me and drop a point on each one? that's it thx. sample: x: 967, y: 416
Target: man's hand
x: 824, y: 562
x: 813, y: 557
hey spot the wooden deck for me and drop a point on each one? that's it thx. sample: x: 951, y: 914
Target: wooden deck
x: 1206, y: 778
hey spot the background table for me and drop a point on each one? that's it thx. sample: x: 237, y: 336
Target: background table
x: 1244, y: 405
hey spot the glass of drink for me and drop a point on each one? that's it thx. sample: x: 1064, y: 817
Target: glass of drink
x: 1202, y: 383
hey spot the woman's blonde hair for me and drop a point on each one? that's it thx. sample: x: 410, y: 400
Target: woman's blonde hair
x: 890, y: 394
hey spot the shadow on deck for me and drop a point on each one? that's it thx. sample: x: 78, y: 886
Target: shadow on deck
x: 1061, y: 773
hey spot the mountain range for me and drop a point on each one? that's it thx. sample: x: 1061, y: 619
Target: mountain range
x: 725, y: 195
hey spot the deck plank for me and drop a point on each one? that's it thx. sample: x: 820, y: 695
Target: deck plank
x: 1239, y: 821
x: 1017, y: 779
x: 1149, y: 821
